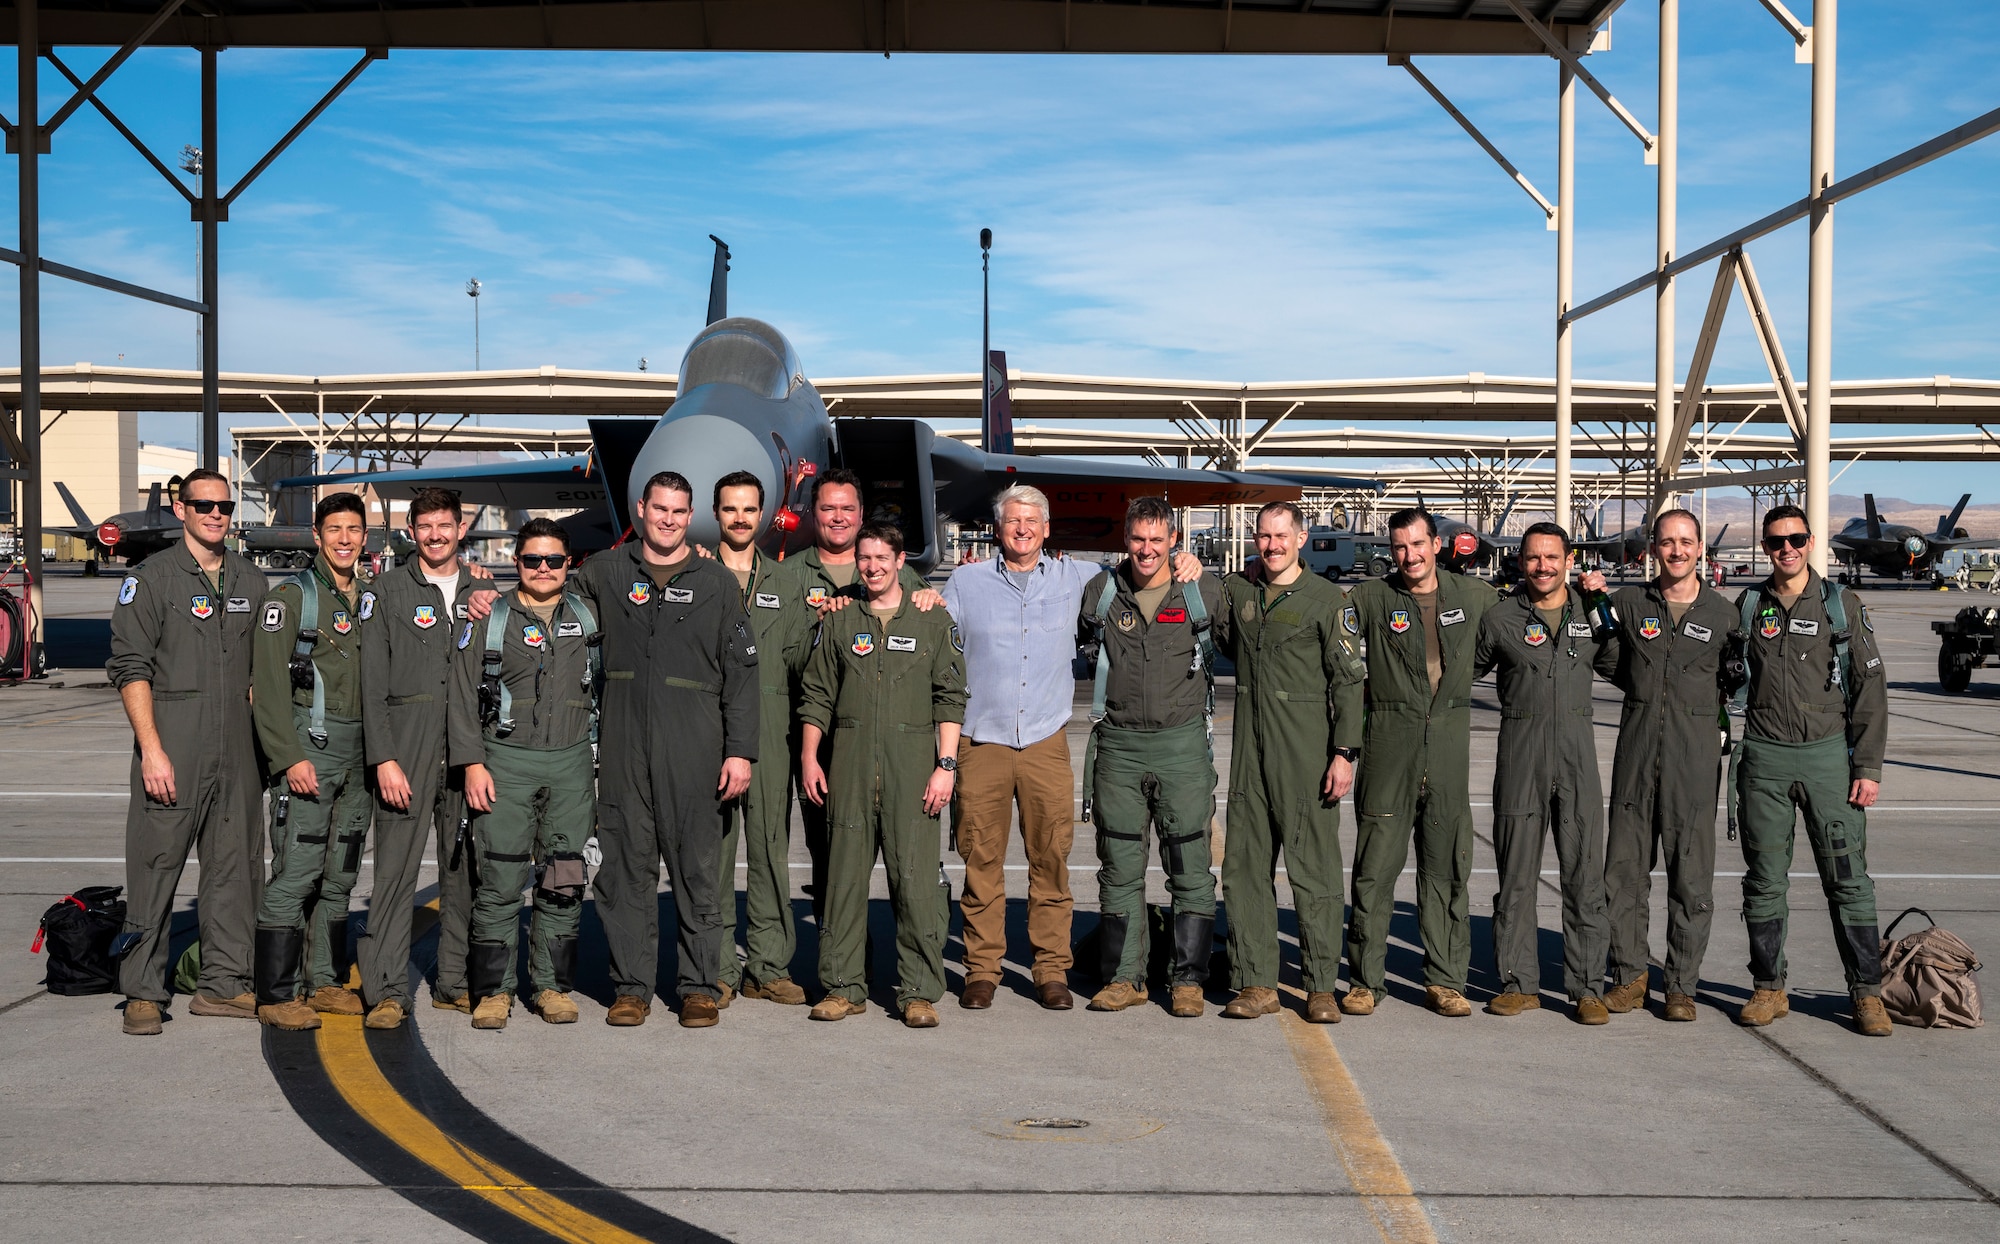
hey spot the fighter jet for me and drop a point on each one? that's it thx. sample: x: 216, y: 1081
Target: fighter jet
x: 1628, y: 547
x: 744, y: 403
x: 134, y: 535
x: 1467, y: 547
x: 1895, y: 551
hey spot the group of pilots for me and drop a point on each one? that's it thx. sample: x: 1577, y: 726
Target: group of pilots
x: 660, y: 701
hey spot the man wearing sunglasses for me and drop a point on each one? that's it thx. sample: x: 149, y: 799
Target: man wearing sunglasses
x: 410, y: 618
x: 180, y: 658
x: 1813, y: 738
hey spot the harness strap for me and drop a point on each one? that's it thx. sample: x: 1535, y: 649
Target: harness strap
x: 302, y: 650
x: 593, y: 655
x: 493, y: 688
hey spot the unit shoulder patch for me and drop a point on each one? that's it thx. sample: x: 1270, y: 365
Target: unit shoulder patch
x: 425, y: 617
x: 342, y: 622
x: 274, y: 615
x: 202, y: 606
x: 1649, y: 628
x: 641, y: 593
x: 1536, y: 634
x: 957, y: 640
x: 533, y: 635
x: 465, y: 635
x: 128, y: 589
x: 1350, y: 621
x: 1399, y: 620
x: 863, y: 644
x: 367, y: 605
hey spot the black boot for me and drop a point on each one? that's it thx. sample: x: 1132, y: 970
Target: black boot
x: 1767, y: 948
x: 336, y: 945
x: 1111, y: 934
x: 275, y: 971
x: 562, y: 961
x: 1194, y: 943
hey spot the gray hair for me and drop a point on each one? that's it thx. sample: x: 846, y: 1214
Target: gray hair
x: 1020, y: 494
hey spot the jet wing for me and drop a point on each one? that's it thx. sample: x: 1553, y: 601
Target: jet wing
x: 542, y: 484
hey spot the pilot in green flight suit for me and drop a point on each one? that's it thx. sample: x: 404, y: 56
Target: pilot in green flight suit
x: 306, y: 674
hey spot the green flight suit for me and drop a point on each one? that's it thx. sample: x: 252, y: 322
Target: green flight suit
x: 1298, y: 696
x: 1153, y: 771
x: 543, y: 789
x: 801, y: 580
x: 1545, y: 784
x: 316, y: 840
x: 880, y: 687
x: 188, y: 637
x: 1415, y: 778
x: 1664, y: 777
x: 408, y: 630
x: 1803, y: 746
x: 783, y: 628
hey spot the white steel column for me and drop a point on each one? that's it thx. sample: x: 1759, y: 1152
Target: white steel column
x: 1819, y: 282
x: 1664, y: 406
x: 1565, y: 272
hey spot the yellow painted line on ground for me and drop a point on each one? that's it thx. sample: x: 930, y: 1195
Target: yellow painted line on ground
x: 343, y: 1051
x: 1372, y: 1169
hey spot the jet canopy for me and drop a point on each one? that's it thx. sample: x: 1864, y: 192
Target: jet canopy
x: 744, y: 352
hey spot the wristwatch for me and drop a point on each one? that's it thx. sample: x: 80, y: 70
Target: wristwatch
x: 948, y: 764
x: 1349, y: 754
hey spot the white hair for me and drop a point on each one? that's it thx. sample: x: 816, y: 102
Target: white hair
x: 1020, y: 494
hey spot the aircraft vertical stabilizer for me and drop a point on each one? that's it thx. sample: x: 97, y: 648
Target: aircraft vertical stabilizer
x: 1874, y: 519
x: 1947, y: 523
x: 998, y: 436
x: 718, y: 282
x: 75, y: 510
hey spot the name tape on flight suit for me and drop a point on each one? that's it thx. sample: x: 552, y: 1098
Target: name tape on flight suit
x: 1804, y: 626
x: 1693, y: 631
x: 1579, y: 630
x: 238, y: 604
x: 677, y: 595
x: 767, y: 600
x: 568, y: 630
x: 902, y: 643
x: 1451, y: 617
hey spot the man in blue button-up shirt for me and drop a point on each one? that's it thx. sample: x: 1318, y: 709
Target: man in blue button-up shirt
x: 1018, y: 619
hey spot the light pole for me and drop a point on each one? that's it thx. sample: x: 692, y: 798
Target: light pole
x: 472, y: 289
x: 985, y: 345
x: 191, y: 165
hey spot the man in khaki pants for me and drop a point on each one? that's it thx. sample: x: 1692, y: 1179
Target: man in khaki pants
x: 1017, y: 616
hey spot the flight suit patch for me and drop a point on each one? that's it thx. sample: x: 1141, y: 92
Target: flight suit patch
x: 1399, y: 621
x: 768, y: 600
x: 1536, y: 635
x: 1767, y: 624
x: 459, y: 613
x: 1171, y: 615
x: 1873, y: 662
x: 1249, y: 611
x: 341, y: 622
x: 677, y: 595
x: 863, y: 645
x: 1579, y: 630
x: 425, y: 617
x: 816, y: 596
x: 127, y: 590
x: 533, y: 635
x: 1867, y: 621
x: 640, y: 593
x: 568, y: 630
x: 1451, y: 617
x: 367, y: 605
x: 1127, y: 619
x: 902, y: 643
x: 1804, y: 626
x: 465, y: 636
x: 1701, y: 633
x: 1649, y: 628
x: 1350, y: 621
x: 202, y: 607
x: 274, y: 615
x: 237, y: 604
x: 957, y: 640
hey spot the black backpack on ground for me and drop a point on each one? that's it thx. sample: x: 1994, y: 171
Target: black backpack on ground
x: 78, y: 932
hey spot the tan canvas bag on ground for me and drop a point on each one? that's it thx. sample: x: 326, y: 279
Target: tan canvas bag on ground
x: 1927, y: 977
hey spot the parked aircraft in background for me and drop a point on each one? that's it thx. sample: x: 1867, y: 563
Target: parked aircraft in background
x: 134, y: 535
x: 1896, y: 551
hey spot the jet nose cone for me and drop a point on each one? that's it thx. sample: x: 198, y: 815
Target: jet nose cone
x: 704, y: 448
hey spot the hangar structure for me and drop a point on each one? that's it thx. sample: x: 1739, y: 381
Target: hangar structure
x: 1399, y: 30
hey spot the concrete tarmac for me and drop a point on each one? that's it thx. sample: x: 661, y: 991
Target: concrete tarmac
x: 1399, y: 1126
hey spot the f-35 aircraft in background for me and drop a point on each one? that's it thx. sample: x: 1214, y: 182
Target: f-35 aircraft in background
x: 134, y: 535
x: 1896, y: 551
x: 744, y: 403
x: 1628, y: 547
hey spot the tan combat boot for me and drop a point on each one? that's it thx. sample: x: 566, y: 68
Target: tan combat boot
x: 492, y: 1012
x: 1187, y: 1002
x: 1630, y: 996
x: 1252, y: 1001
x: 555, y: 1008
x: 782, y: 992
x: 918, y: 1013
x: 335, y: 1000
x: 728, y: 992
x: 1764, y: 1006
x: 1591, y: 1011
x: 1118, y: 996
x: 1446, y: 1001
x: 388, y: 1013
x: 461, y: 1004
x: 1358, y: 1000
x: 1679, y: 1009
x: 1871, y: 1018
x: 1322, y: 1009
x: 142, y: 1018
x: 1513, y: 1002
x: 698, y: 1010
x: 836, y: 1007
x: 242, y: 1006
x: 290, y: 1015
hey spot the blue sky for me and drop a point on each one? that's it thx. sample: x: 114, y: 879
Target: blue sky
x: 1199, y: 217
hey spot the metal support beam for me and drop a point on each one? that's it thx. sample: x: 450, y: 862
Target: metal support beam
x: 1565, y: 274
x: 1666, y: 217
x: 1774, y: 350
x: 28, y: 133
x: 88, y: 91
x: 211, y: 320
x: 116, y: 124
x: 326, y: 101
x: 1270, y: 426
x: 1548, y: 208
x: 1800, y: 32
x: 1819, y: 279
x: 1562, y: 53
x: 84, y: 277
x: 1675, y: 445
x: 1944, y: 144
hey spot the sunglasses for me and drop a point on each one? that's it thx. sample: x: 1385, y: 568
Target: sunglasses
x: 535, y: 561
x: 210, y: 507
x: 1797, y: 539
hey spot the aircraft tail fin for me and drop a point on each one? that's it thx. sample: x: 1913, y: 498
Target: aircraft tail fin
x: 1874, y: 519
x: 718, y: 282
x: 75, y: 510
x: 1947, y: 523
x: 1500, y: 523
x: 153, y: 498
x: 614, y: 447
x: 998, y: 436
x: 1715, y: 545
